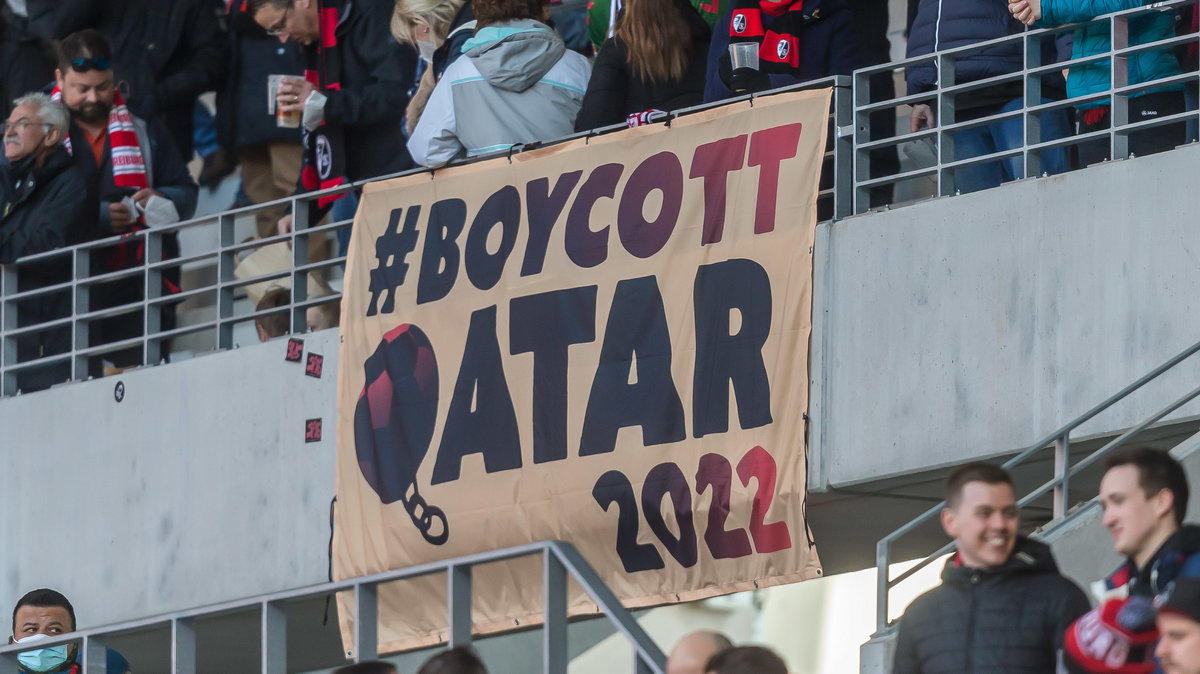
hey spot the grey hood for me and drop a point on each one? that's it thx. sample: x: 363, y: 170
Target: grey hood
x: 514, y: 55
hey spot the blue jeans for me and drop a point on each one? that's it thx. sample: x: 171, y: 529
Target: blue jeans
x: 1002, y: 136
x: 344, y: 209
x: 204, y: 130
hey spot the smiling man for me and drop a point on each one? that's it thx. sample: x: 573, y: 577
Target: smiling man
x: 1144, y: 494
x: 1002, y: 605
x: 45, y: 613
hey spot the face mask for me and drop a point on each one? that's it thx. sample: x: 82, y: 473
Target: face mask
x: 43, y: 659
x: 426, y: 49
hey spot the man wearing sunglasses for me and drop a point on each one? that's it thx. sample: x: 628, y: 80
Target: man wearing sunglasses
x: 141, y: 181
x: 43, y: 206
x: 354, y: 92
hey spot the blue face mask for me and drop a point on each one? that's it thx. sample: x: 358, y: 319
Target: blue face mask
x: 43, y: 659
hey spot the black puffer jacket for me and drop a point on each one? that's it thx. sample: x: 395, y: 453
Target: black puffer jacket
x: 946, y: 24
x: 1007, y: 620
x: 43, y: 209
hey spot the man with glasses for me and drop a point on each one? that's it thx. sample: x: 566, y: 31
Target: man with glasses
x: 353, y: 95
x: 43, y: 205
x: 140, y: 180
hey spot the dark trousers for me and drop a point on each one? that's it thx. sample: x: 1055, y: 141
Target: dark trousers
x: 1141, y: 143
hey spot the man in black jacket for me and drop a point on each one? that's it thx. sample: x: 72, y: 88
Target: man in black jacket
x: 269, y: 155
x: 1002, y: 605
x: 43, y: 206
x: 28, y: 29
x: 166, y: 54
x: 354, y: 92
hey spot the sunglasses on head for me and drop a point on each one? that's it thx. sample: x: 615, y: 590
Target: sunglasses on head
x: 95, y: 63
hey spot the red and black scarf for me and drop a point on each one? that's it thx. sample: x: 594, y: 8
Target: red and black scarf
x: 779, y: 50
x: 324, y: 148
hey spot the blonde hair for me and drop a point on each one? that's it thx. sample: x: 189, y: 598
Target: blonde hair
x: 437, y: 14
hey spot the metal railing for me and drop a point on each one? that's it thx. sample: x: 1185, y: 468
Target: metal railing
x: 851, y: 176
x: 215, y: 308
x: 1031, y: 78
x: 1059, y: 441
x: 560, y: 561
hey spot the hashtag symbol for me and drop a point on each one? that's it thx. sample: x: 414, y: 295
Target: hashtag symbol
x: 391, y: 250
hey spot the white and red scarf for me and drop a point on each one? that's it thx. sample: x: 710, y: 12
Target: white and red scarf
x: 128, y: 164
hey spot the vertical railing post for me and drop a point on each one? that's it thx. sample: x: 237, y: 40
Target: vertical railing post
x: 554, y: 630
x: 81, y: 303
x: 945, y: 115
x: 8, y: 319
x: 225, y: 266
x: 94, y: 656
x: 459, y: 609
x: 183, y: 646
x: 843, y: 148
x: 1031, y: 164
x: 274, y: 639
x: 152, y: 316
x: 1119, y: 77
x: 366, y: 622
x: 861, y: 93
x: 1062, y: 464
x: 300, y: 244
x: 8, y: 664
x: 882, y: 585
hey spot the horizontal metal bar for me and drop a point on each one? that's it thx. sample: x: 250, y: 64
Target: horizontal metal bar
x: 908, y: 573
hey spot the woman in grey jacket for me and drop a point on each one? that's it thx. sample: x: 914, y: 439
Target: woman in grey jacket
x: 518, y: 84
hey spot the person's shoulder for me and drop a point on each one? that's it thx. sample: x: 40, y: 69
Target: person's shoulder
x: 459, y: 69
x: 576, y: 65
x: 370, y: 15
x: 928, y: 601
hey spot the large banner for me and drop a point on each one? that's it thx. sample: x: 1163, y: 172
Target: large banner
x: 603, y: 342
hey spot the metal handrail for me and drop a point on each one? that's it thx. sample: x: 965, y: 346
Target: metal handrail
x: 1059, y: 440
x: 1031, y: 74
x: 560, y: 561
x: 221, y: 317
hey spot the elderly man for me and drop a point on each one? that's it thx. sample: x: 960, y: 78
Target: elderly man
x: 43, y: 205
x: 45, y: 613
x: 1178, y: 648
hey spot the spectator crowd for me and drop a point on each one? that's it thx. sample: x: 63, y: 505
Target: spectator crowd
x: 1002, y: 605
x: 316, y: 94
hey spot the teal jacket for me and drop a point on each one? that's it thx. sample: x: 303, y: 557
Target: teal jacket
x: 1094, y: 39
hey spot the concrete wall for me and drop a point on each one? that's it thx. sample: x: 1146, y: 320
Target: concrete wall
x: 970, y: 326
x: 197, y: 488
x: 959, y: 327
